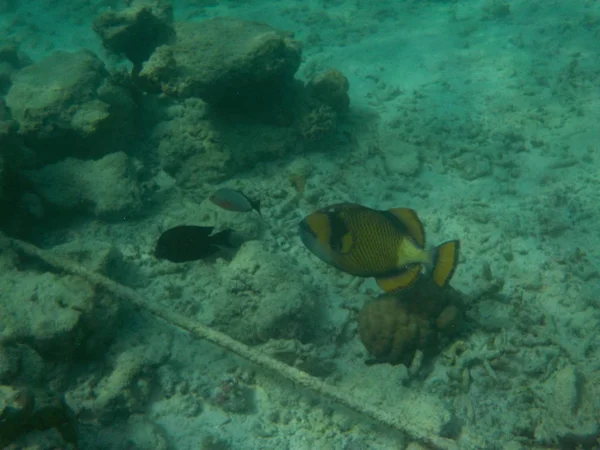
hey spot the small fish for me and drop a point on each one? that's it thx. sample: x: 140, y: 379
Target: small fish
x: 387, y: 245
x: 234, y: 200
x: 189, y: 243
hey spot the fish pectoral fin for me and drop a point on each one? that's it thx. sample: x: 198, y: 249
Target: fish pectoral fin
x: 222, y: 238
x: 445, y: 260
x: 413, y: 224
x: 400, y: 280
x: 346, y: 243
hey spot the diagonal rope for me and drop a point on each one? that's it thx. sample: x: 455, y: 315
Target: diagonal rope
x: 222, y: 340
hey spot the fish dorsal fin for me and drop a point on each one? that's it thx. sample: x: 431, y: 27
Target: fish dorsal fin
x: 401, y: 280
x: 414, y: 226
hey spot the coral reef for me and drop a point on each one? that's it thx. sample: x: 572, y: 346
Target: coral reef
x: 394, y: 326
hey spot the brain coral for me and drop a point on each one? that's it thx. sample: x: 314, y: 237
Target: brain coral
x: 394, y: 326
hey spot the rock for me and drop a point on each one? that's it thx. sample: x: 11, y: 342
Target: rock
x: 9, y: 54
x: 294, y: 353
x: 49, y: 439
x: 106, y: 188
x: 566, y: 392
x: 256, y: 306
x: 189, y: 147
x: 31, y: 205
x: 331, y: 88
x: 11, y: 60
x: 43, y: 93
x: 513, y: 445
x: 145, y: 434
x: 127, y: 388
x: 2, y: 177
x: 15, y: 219
x: 224, y: 61
x: 250, y: 142
x: 415, y: 446
x: 66, y: 105
x: 23, y: 411
x: 100, y: 257
x: 16, y: 405
x: 4, y: 113
x: 136, y: 31
x: 570, y: 416
x: 401, y: 158
x: 59, y: 317
x: 8, y: 6
x: 9, y: 364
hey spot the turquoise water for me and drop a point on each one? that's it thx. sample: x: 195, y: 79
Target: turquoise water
x: 119, y: 121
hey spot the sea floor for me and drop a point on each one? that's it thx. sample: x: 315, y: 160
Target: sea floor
x: 480, y: 115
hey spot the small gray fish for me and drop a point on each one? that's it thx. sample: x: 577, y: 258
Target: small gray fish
x: 234, y: 200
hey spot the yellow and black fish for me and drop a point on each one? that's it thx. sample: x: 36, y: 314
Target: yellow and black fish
x: 387, y: 245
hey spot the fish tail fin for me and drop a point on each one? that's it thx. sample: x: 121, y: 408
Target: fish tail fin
x: 256, y: 206
x: 223, y: 238
x: 444, y: 259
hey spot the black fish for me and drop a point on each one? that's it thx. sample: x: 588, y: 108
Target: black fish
x: 189, y: 243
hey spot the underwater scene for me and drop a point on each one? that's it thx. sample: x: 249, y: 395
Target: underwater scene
x: 300, y: 224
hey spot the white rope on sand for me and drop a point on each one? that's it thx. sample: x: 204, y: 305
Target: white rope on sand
x: 259, y: 358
